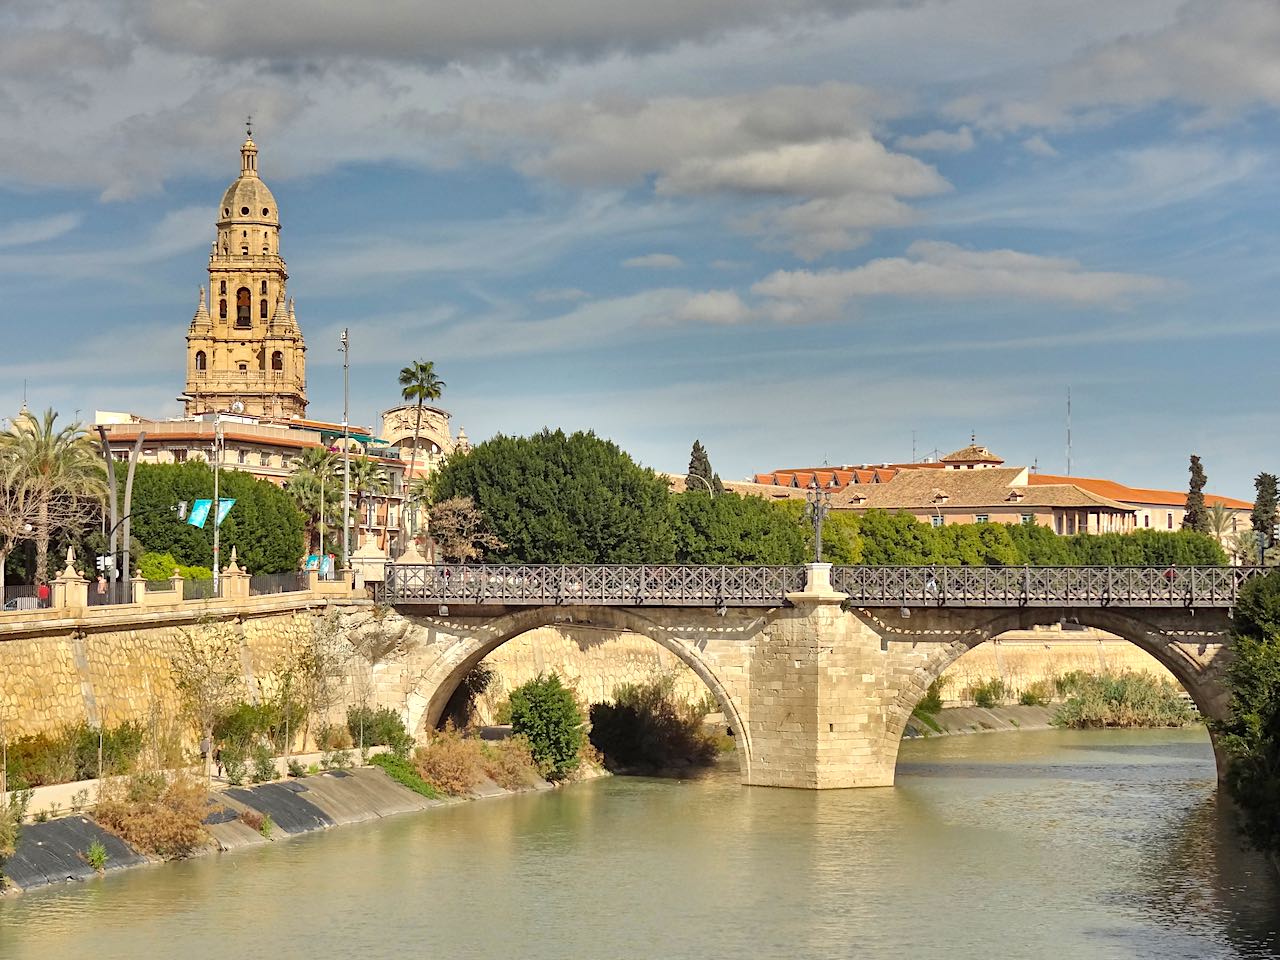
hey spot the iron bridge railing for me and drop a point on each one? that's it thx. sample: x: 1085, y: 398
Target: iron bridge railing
x: 726, y: 586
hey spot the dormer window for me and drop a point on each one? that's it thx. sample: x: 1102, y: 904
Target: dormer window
x: 940, y: 496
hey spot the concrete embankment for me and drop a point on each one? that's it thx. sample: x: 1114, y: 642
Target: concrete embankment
x: 57, y: 851
x: 961, y: 720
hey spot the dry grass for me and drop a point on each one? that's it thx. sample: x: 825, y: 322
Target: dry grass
x: 509, y: 763
x: 451, y: 763
x: 161, y: 817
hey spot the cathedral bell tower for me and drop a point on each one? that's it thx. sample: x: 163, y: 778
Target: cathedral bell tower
x: 245, y: 352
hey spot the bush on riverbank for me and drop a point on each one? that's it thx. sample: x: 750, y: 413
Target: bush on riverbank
x: 72, y: 754
x: 379, y: 727
x: 1126, y: 699
x: 403, y: 772
x: 456, y: 765
x: 545, y: 712
x: 647, y: 727
x: 157, y: 815
x: 1251, y: 737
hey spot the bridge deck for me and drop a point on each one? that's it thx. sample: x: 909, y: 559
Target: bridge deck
x: 713, y: 586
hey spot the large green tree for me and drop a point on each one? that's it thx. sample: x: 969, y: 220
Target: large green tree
x: 729, y: 529
x: 265, y: 526
x: 557, y: 498
x: 1265, y: 506
x: 1195, y: 518
x: 316, y: 487
x: 1251, y: 736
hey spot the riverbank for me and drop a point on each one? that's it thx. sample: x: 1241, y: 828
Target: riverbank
x: 956, y: 721
x: 240, y: 817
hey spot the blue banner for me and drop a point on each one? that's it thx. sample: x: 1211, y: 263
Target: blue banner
x: 199, y: 513
x: 224, y: 507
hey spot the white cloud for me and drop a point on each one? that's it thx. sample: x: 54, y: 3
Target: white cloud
x: 19, y: 233
x: 937, y: 270
x: 942, y: 141
x: 1039, y: 146
x: 178, y: 231
x: 654, y: 261
x: 714, y: 307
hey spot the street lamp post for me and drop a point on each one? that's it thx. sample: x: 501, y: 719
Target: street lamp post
x: 346, y: 452
x: 705, y: 483
x: 217, y: 465
x: 818, y: 504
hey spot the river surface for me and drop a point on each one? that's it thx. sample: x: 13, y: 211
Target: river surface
x: 1015, y: 845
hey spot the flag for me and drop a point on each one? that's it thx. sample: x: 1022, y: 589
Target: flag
x: 199, y: 513
x: 224, y: 507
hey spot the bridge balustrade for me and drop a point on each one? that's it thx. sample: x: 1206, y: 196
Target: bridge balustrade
x: 742, y: 586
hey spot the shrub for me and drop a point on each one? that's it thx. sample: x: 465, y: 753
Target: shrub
x: 96, y: 856
x: 334, y: 737
x: 450, y: 763
x: 12, y: 811
x: 383, y: 726
x: 235, y: 764
x: 163, y: 818
x: 264, y: 764
x: 404, y: 773
x: 336, y: 760
x: 72, y: 754
x: 1036, y: 694
x: 296, y: 769
x: 509, y: 763
x: 252, y: 819
x: 646, y: 727
x: 267, y: 826
x: 544, y: 711
x: 246, y: 724
x: 931, y: 702
x: 1123, y: 700
x: 988, y: 694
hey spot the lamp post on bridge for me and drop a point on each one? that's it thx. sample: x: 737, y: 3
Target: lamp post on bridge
x: 705, y: 483
x: 818, y: 504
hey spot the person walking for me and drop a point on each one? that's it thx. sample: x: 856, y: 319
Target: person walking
x: 42, y: 594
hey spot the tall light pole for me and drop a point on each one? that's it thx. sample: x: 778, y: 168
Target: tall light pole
x: 698, y: 476
x: 217, y: 464
x: 346, y: 452
x: 818, y: 504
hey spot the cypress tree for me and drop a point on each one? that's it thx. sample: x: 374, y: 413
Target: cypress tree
x: 1264, y: 507
x: 700, y: 470
x: 1196, y: 517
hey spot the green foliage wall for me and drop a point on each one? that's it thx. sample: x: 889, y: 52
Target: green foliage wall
x: 265, y: 526
x: 556, y: 498
x: 729, y: 529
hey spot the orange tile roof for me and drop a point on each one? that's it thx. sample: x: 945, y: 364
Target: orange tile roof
x: 1119, y: 491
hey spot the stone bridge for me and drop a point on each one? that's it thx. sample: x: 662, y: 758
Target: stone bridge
x: 816, y: 669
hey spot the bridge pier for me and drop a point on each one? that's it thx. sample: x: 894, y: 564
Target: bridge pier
x: 819, y: 698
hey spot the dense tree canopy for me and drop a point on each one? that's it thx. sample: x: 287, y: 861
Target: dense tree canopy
x: 557, y: 498
x: 1265, y: 506
x: 729, y: 529
x: 265, y: 525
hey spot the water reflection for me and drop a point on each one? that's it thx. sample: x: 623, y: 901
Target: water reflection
x: 1102, y: 845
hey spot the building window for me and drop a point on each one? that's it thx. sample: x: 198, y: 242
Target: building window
x: 201, y: 362
x: 264, y: 459
x: 222, y: 286
x: 937, y: 521
x: 1146, y: 519
x: 262, y: 309
x: 242, y: 367
x: 244, y: 303
x: 180, y: 456
x: 1170, y: 520
x: 240, y: 456
x: 980, y: 518
x: 1028, y: 519
x: 264, y: 288
x: 244, y: 249
x: 277, y: 360
x: 222, y: 309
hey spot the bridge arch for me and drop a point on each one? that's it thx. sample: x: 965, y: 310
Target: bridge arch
x: 1196, y: 658
x: 469, y: 642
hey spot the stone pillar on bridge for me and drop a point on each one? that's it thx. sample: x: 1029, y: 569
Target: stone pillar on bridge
x: 818, y: 696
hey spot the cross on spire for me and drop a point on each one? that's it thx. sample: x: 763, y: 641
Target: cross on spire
x: 248, y: 126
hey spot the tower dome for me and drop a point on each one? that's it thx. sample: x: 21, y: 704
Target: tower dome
x: 248, y: 201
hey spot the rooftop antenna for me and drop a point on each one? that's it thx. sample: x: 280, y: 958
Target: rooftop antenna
x: 1068, y: 431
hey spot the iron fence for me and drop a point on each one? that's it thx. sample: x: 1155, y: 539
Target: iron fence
x: 641, y: 585
x: 198, y: 590
x: 263, y: 583
x: 726, y: 586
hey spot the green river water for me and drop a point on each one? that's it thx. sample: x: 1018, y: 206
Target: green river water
x: 1053, y: 844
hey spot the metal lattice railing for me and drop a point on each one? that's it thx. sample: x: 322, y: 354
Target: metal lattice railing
x: 536, y: 584
x: 1042, y: 586
x: 707, y: 586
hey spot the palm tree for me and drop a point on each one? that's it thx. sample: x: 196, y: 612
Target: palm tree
x: 368, y: 479
x: 60, y: 468
x: 420, y: 383
x: 1220, y: 521
x: 316, y: 488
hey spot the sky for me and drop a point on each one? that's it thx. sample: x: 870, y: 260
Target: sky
x: 801, y: 231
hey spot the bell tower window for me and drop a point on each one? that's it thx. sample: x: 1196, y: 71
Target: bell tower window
x: 200, y: 361
x: 222, y: 287
x: 264, y: 288
x: 262, y: 309
x: 277, y: 360
x: 244, y: 303
x: 222, y: 305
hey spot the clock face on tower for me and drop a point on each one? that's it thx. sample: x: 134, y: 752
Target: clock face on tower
x: 245, y: 350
